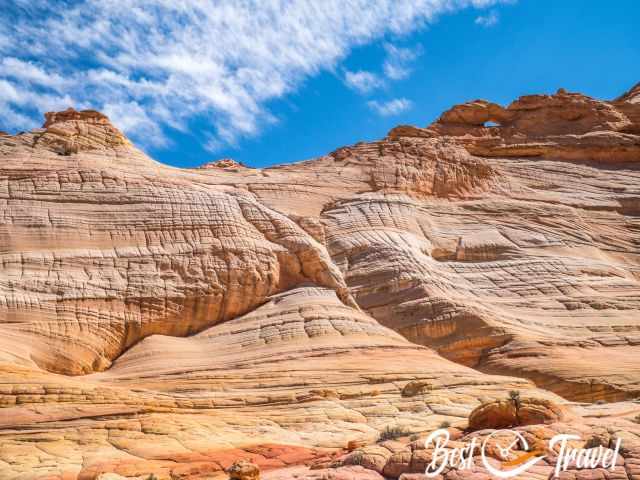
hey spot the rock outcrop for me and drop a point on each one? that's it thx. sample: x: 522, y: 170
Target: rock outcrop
x: 71, y: 132
x: 167, y: 321
x: 409, y: 461
x: 243, y: 470
x: 515, y: 412
x: 564, y: 126
x: 223, y: 163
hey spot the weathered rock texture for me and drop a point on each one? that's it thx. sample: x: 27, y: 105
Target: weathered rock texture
x: 515, y: 412
x: 168, y: 321
x: 408, y: 461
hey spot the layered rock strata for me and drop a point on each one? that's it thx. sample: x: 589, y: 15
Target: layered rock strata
x: 169, y: 321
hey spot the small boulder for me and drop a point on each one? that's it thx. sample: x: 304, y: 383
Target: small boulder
x: 243, y: 470
x: 416, y: 387
x: 511, y: 413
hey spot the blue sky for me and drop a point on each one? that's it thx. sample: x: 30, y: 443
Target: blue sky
x: 276, y: 81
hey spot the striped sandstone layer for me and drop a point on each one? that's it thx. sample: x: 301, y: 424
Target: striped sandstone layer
x: 153, y: 317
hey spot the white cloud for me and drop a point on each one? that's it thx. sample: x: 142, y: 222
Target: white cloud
x: 132, y: 118
x: 154, y: 64
x: 13, y: 118
x: 391, y: 107
x: 362, y: 81
x: 398, y: 62
x: 397, y: 66
x: 29, y: 72
x: 19, y: 101
x: 488, y: 20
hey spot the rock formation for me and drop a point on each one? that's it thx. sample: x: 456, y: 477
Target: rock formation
x: 243, y: 470
x: 166, y: 321
x: 409, y: 461
x: 514, y: 412
x: 224, y: 163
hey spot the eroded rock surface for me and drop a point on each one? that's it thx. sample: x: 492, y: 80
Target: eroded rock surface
x: 172, y: 321
x: 514, y: 412
x: 410, y: 461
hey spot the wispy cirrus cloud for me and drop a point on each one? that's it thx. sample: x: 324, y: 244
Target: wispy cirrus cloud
x: 397, y: 65
x: 488, y: 20
x: 399, y: 60
x: 158, y: 64
x: 362, y: 81
x: 390, y: 107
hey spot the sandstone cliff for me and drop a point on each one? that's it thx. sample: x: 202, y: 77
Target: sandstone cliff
x: 155, y: 319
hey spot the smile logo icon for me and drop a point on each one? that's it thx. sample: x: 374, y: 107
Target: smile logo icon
x: 506, y: 443
x: 497, y: 453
